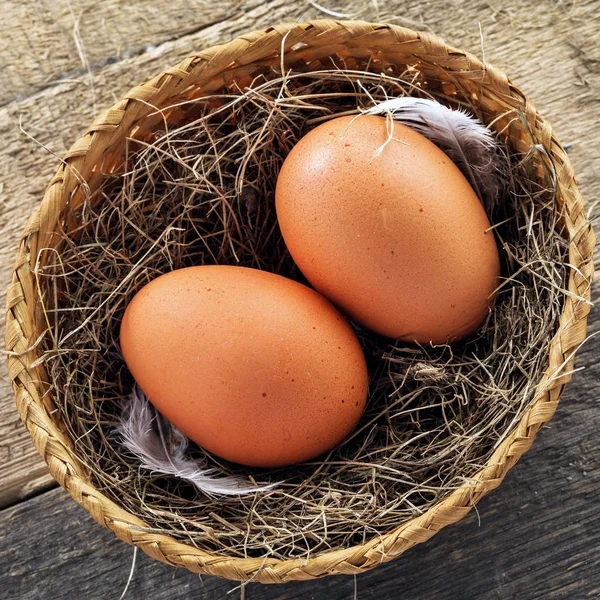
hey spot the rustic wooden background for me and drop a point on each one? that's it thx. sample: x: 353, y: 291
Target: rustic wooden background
x: 61, y: 61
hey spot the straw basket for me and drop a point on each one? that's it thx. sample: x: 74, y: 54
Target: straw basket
x: 306, y: 47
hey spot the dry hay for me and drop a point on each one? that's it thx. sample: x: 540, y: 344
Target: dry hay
x: 203, y: 193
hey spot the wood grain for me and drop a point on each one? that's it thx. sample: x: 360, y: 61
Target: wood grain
x: 548, y: 48
x: 44, y: 42
x: 536, y: 537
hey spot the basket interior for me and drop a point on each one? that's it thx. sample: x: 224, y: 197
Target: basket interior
x: 344, y: 505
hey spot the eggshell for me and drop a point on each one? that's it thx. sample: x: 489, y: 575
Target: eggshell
x: 254, y: 367
x: 390, y: 232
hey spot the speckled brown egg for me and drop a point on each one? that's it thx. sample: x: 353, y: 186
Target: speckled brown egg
x: 388, y: 228
x: 253, y: 367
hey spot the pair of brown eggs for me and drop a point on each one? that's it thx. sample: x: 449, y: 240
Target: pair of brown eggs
x: 264, y: 371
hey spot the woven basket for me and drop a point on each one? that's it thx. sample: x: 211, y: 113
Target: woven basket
x: 307, y: 46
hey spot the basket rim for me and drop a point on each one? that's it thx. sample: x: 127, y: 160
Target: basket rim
x: 27, y: 376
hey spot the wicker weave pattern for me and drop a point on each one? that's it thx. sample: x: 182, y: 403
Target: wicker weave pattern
x: 99, y: 149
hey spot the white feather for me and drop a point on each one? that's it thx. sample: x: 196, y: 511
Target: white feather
x: 469, y: 144
x: 160, y: 447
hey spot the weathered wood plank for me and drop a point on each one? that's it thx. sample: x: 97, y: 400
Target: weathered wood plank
x: 536, y: 537
x: 43, y: 42
x: 548, y: 47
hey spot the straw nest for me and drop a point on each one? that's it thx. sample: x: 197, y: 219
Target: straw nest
x: 181, y: 172
x: 203, y: 193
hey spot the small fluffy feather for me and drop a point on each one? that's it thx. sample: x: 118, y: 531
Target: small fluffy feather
x: 161, y: 448
x: 469, y: 144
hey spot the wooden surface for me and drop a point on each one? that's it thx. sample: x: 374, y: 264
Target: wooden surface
x: 61, y: 62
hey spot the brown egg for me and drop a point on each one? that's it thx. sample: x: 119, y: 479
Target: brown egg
x: 390, y: 232
x: 254, y: 367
